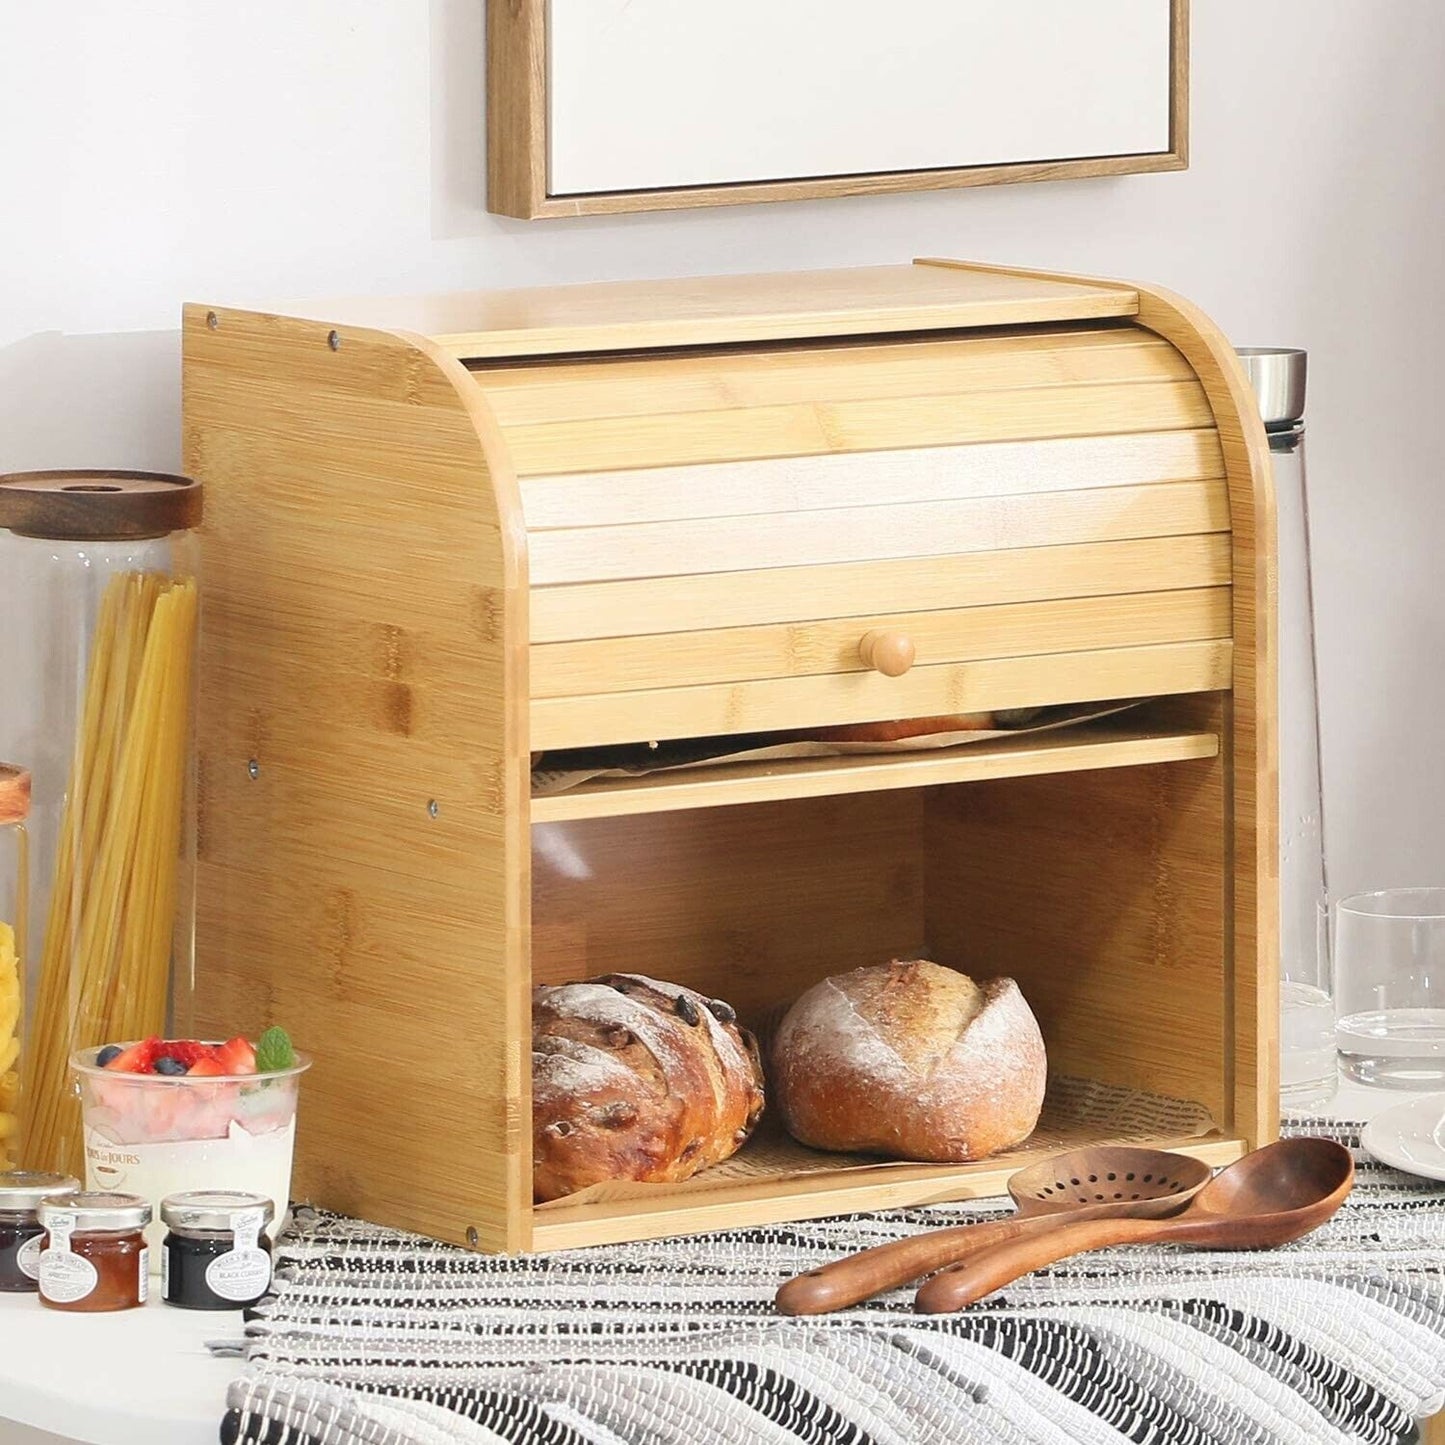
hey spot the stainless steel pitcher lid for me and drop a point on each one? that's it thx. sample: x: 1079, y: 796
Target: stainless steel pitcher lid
x: 1277, y: 374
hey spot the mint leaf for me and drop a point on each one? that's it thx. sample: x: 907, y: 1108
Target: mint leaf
x: 274, y: 1052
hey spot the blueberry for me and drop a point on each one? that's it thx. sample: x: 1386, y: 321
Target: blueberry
x: 109, y: 1052
x: 168, y: 1065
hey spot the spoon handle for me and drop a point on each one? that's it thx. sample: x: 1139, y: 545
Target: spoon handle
x: 990, y: 1269
x: 860, y: 1276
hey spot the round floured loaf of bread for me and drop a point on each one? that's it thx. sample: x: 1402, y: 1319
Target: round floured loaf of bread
x: 912, y: 1060
x: 636, y: 1079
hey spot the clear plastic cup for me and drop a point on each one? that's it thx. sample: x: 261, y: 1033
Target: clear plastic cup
x: 161, y: 1134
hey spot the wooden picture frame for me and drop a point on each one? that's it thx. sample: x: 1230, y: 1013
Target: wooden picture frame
x: 522, y: 134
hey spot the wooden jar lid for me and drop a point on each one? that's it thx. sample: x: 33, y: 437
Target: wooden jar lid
x: 98, y: 506
x: 14, y: 794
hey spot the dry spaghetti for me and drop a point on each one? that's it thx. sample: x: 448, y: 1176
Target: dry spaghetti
x: 105, y: 959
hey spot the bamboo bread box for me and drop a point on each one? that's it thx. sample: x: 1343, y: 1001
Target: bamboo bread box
x: 446, y: 534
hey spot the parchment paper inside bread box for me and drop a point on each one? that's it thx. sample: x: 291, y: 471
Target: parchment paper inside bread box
x: 1077, y: 1113
x: 557, y: 772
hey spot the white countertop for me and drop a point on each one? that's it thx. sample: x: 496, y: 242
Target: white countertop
x: 144, y: 1377
x: 140, y: 1377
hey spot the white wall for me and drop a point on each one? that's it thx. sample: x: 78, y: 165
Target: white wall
x: 161, y: 150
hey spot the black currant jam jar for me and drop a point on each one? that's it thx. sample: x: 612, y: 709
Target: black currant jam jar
x: 216, y: 1255
x: 21, y: 1191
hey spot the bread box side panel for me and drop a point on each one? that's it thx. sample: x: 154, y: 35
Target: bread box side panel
x: 712, y: 533
x: 1252, y: 718
x: 364, y: 865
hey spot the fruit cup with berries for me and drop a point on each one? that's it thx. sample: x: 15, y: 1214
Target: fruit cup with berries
x: 165, y: 1116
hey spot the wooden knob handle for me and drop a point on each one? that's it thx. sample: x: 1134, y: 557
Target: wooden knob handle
x: 890, y: 653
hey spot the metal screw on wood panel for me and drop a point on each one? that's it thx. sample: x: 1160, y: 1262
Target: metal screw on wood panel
x: 212, y: 320
x: 472, y: 1236
x: 433, y: 808
x: 253, y: 769
x: 334, y: 341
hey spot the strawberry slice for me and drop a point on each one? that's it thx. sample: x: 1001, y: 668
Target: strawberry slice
x: 236, y: 1056
x: 205, y: 1067
x: 137, y: 1058
x: 187, y: 1051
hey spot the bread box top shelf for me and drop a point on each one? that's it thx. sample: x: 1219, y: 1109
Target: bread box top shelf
x: 715, y: 310
x: 1106, y: 745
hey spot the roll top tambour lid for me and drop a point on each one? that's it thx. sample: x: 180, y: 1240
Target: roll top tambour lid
x: 14, y: 794
x: 98, y: 506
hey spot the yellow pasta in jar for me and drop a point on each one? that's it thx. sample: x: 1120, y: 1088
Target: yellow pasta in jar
x: 105, y: 951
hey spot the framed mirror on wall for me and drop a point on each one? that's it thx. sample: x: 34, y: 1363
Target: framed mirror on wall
x: 628, y: 105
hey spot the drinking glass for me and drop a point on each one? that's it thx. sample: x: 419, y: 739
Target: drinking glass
x: 1390, y: 987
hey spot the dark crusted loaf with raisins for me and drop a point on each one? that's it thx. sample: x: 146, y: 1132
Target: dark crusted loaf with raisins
x: 636, y: 1079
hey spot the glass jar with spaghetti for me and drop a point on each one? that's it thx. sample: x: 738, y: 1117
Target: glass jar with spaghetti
x: 99, y: 660
x: 14, y: 902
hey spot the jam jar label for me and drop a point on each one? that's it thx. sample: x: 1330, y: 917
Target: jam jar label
x: 244, y: 1271
x: 28, y: 1257
x: 65, y: 1276
x: 143, y: 1285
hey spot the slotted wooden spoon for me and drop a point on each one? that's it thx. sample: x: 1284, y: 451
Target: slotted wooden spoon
x: 1098, y: 1183
x: 1275, y: 1195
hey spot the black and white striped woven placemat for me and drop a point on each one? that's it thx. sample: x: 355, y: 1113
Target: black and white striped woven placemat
x: 379, y: 1338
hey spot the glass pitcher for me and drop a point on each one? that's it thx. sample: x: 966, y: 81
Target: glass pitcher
x: 1307, y: 1072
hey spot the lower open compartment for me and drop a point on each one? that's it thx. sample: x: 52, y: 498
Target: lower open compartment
x: 1103, y: 893
x: 774, y: 1179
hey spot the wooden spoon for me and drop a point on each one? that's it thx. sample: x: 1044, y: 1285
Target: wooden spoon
x: 1268, y: 1198
x: 1084, y: 1184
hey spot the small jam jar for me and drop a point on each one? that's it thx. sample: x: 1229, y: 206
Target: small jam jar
x: 93, y: 1256
x: 21, y: 1191
x: 216, y: 1255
